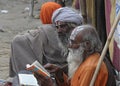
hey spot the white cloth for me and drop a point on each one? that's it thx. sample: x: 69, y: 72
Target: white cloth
x: 66, y: 14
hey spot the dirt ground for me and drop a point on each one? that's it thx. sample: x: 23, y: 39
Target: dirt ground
x: 14, y: 18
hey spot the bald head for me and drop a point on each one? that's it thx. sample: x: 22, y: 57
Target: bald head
x: 87, y: 35
x: 84, y: 41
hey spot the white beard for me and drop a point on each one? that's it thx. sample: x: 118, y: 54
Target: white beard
x: 74, y: 59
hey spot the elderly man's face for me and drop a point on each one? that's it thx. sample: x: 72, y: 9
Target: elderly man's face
x: 63, y: 32
x: 75, y: 57
x: 76, y: 42
x: 62, y: 27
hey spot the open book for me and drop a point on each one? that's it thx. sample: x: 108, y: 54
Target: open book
x: 38, y: 68
x: 27, y: 80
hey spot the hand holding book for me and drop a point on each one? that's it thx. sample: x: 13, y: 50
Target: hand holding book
x: 44, y: 81
x: 38, y: 68
x: 52, y: 68
x: 43, y: 75
x: 57, y: 72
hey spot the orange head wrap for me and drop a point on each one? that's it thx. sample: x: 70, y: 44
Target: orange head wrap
x: 47, y: 10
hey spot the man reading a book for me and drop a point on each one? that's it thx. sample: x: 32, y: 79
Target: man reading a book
x: 28, y: 47
x: 65, y: 20
x: 46, y: 44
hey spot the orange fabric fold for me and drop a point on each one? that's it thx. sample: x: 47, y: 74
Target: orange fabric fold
x: 84, y: 73
x: 47, y: 10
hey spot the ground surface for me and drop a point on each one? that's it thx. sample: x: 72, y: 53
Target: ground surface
x: 16, y: 20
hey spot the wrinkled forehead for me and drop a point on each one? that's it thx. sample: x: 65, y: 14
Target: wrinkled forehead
x: 75, y: 32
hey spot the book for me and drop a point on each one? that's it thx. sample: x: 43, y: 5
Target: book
x: 27, y: 80
x: 38, y: 68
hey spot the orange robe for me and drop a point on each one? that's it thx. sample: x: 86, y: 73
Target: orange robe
x: 84, y: 73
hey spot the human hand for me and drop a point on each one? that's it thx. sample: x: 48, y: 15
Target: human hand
x: 55, y: 71
x: 58, y: 73
x: 43, y: 81
x: 52, y: 68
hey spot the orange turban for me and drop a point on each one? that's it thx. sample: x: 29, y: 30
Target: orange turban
x: 47, y: 10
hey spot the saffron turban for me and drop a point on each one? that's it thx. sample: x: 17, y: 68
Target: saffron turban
x: 47, y: 10
x: 66, y: 14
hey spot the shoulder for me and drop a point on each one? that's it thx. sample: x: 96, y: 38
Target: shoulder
x: 92, y: 61
x: 48, y: 27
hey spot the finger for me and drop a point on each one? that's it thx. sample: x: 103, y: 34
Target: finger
x: 47, y: 65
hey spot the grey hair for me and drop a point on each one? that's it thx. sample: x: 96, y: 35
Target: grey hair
x: 90, y: 34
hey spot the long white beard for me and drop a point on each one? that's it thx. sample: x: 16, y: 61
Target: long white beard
x: 74, y: 59
x: 63, y: 42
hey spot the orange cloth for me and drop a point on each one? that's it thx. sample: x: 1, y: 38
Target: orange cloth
x: 84, y: 73
x: 47, y: 10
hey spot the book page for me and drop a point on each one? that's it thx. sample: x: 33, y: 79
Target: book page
x: 37, y: 64
x: 38, y: 68
x: 27, y: 79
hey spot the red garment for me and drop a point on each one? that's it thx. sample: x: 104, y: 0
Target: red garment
x: 47, y: 10
x: 84, y: 73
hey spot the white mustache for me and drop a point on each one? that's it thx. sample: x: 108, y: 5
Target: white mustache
x: 74, y: 59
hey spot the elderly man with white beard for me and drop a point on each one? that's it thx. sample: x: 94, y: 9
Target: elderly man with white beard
x: 85, y: 48
x: 84, y: 52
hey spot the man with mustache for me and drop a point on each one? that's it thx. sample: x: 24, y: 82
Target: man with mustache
x: 84, y: 52
x: 85, y: 49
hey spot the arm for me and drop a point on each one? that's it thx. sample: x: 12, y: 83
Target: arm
x: 21, y: 54
x: 25, y: 49
x: 58, y: 72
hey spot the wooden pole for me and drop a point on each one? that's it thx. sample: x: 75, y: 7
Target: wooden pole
x: 105, y: 49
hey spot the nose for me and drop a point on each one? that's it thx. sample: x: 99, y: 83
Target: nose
x: 73, y: 46
x: 59, y: 30
x: 62, y: 30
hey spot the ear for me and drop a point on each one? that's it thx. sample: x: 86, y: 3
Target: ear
x: 87, y: 45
